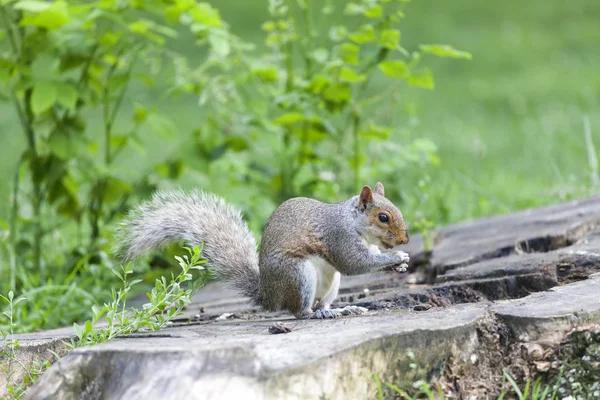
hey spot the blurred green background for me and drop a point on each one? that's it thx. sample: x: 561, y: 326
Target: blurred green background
x: 514, y: 127
x: 508, y: 124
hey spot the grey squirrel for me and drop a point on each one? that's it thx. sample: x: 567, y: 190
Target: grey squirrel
x: 306, y: 245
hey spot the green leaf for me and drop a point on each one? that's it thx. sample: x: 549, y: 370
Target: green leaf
x: 173, y: 12
x: 394, y: 69
x: 140, y: 113
x: 442, y: 50
x: 43, y: 66
x: 140, y: 26
x: 88, y: 326
x: 237, y: 143
x: 269, y: 26
x: 320, y: 55
x: 374, y: 12
x: 162, y: 125
x: 112, y: 38
x: 33, y: 6
x: 514, y: 385
x: 349, y: 53
x: 389, y: 38
x: 422, y: 79
x: 349, y: 75
x: 379, y: 388
x: 50, y: 18
x: 374, y: 131
x: 338, y: 33
x: 17, y: 301
x: 354, y: 9
x: 78, y: 330
x: 205, y: 14
x: 118, y: 141
x: 61, y: 145
x: 115, y: 188
x: 312, y: 130
x: 44, y: 95
x: 147, y: 79
x: 289, y: 118
x: 70, y: 185
x: 67, y: 96
x: 174, y: 169
x: 219, y: 43
x: 318, y: 83
x: 267, y: 74
x: 338, y: 92
x: 364, y: 34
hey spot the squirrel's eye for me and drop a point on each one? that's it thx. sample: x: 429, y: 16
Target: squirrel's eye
x: 384, y: 218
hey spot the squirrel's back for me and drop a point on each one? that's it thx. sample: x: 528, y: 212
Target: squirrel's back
x: 293, y: 228
x: 298, y: 226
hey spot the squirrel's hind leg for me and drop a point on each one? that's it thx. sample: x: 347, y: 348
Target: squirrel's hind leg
x: 329, y: 297
x: 324, y: 283
x: 324, y: 306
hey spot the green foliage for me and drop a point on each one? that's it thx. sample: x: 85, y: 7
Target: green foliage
x: 537, y: 391
x: 167, y: 300
x: 304, y: 111
x: 66, y: 61
x: 9, y: 365
x: 299, y: 120
x: 421, y: 388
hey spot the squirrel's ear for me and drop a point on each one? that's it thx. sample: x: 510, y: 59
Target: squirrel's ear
x: 379, y: 189
x: 365, y: 198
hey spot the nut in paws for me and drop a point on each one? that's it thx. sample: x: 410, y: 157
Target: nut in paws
x: 401, y: 268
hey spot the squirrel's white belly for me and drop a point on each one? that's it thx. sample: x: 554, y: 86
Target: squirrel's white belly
x: 325, y: 274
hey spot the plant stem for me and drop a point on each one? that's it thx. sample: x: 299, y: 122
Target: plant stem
x: 109, y: 115
x: 356, y: 143
x: 354, y: 116
x: 305, y: 44
x: 307, y: 14
x: 107, y: 120
x: 9, y: 30
x: 14, y: 212
x: 15, y: 205
x: 26, y: 118
x: 37, y: 184
x: 286, y: 163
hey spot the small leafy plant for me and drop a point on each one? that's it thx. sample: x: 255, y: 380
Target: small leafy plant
x: 10, y: 366
x: 167, y: 300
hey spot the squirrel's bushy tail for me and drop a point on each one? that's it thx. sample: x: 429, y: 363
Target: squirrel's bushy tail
x: 195, y: 217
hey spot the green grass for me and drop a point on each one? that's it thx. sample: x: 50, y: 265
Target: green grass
x: 509, y: 123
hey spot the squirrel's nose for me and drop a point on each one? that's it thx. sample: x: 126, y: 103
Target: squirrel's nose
x: 402, y: 239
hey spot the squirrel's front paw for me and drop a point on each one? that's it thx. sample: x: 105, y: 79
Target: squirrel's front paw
x: 404, y: 258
